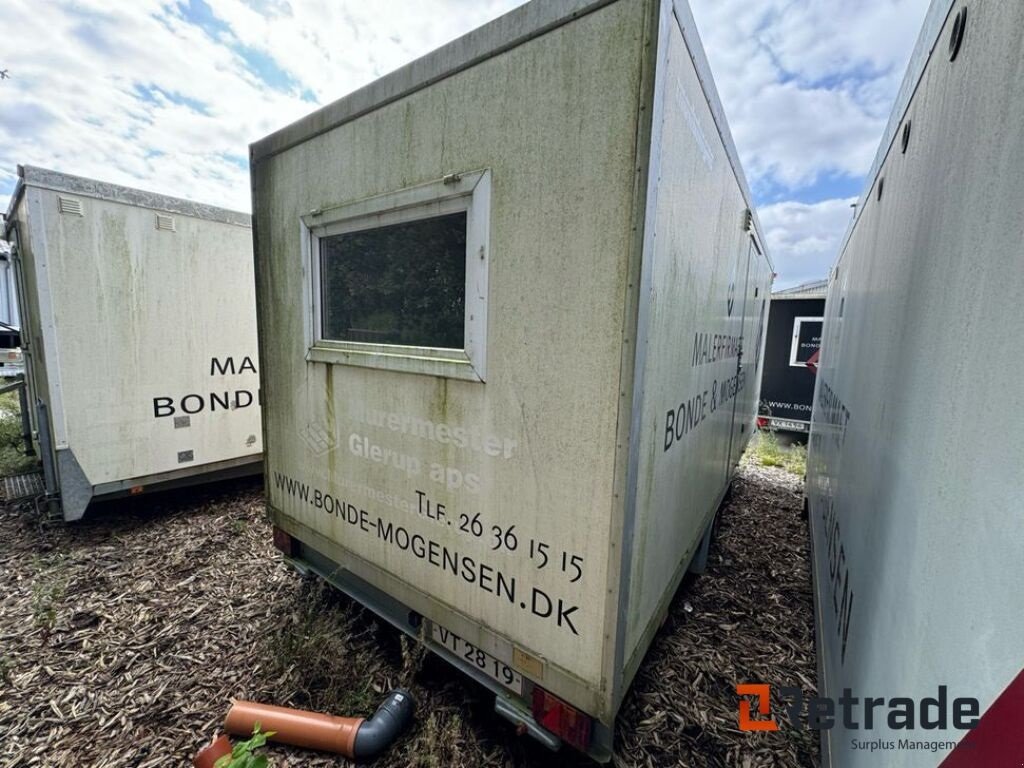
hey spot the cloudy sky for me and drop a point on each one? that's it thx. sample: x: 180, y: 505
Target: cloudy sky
x: 167, y: 94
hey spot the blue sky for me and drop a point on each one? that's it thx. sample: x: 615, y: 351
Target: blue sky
x: 167, y: 94
x: 807, y: 86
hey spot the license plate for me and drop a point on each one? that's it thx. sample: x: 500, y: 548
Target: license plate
x: 469, y: 653
x: 794, y: 426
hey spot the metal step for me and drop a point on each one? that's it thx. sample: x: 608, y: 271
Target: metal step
x: 25, y: 486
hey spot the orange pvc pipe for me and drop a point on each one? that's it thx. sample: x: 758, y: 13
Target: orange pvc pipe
x: 208, y: 756
x: 309, y: 730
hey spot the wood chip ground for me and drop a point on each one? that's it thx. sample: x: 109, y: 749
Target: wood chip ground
x: 124, y: 638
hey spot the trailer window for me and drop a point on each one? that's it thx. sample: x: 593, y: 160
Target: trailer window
x: 399, y: 281
x: 403, y: 284
x: 806, y: 340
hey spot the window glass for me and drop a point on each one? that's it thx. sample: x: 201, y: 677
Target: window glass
x: 402, y: 284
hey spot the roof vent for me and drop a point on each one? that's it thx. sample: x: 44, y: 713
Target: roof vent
x: 69, y: 206
x: 164, y: 222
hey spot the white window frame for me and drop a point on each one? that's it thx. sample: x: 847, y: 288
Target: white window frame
x: 794, y: 347
x: 469, y: 192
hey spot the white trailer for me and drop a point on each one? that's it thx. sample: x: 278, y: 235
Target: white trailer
x: 511, y: 302
x: 139, y: 337
x: 9, y: 319
x: 917, y: 441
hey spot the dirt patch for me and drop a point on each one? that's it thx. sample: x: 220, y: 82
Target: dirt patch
x: 122, y: 640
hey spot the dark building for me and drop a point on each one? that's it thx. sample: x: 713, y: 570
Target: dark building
x: 794, y: 337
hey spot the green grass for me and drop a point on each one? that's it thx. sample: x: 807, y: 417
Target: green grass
x: 13, y: 460
x: 318, y: 646
x: 796, y: 461
x: 766, y: 450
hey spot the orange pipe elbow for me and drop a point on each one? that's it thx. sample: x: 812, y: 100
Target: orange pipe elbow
x: 208, y: 756
x: 309, y: 730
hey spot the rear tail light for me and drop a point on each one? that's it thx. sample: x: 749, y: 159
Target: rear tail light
x: 561, y: 719
x: 284, y: 542
x: 762, y: 422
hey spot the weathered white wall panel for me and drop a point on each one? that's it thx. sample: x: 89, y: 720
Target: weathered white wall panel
x: 142, y: 340
x: 704, y: 273
x: 559, y: 143
x: 917, y: 440
x: 141, y: 314
x: 555, y: 103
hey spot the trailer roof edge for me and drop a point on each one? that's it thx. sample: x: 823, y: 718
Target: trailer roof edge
x: 508, y: 31
x: 815, y: 289
x: 33, y: 176
x: 928, y: 38
x: 691, y: 34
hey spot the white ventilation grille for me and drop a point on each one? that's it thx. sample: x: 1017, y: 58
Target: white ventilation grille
x: 164, y: 222
x: 69, y: 206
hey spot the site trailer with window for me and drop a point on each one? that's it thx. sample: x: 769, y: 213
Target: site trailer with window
x: 511, y: 302
x: 790, y: 357
x: 139, y: 337
x: 917, y: 439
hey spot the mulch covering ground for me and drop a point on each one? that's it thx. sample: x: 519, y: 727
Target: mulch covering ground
x: 123, y: 639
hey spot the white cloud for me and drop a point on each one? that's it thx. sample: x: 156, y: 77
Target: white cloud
x: 807, y: 86
x: 805, y: 237
x: 793, y: 136
x: 332, y: 47
x: 816, y: 40
x: 143, y: 96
